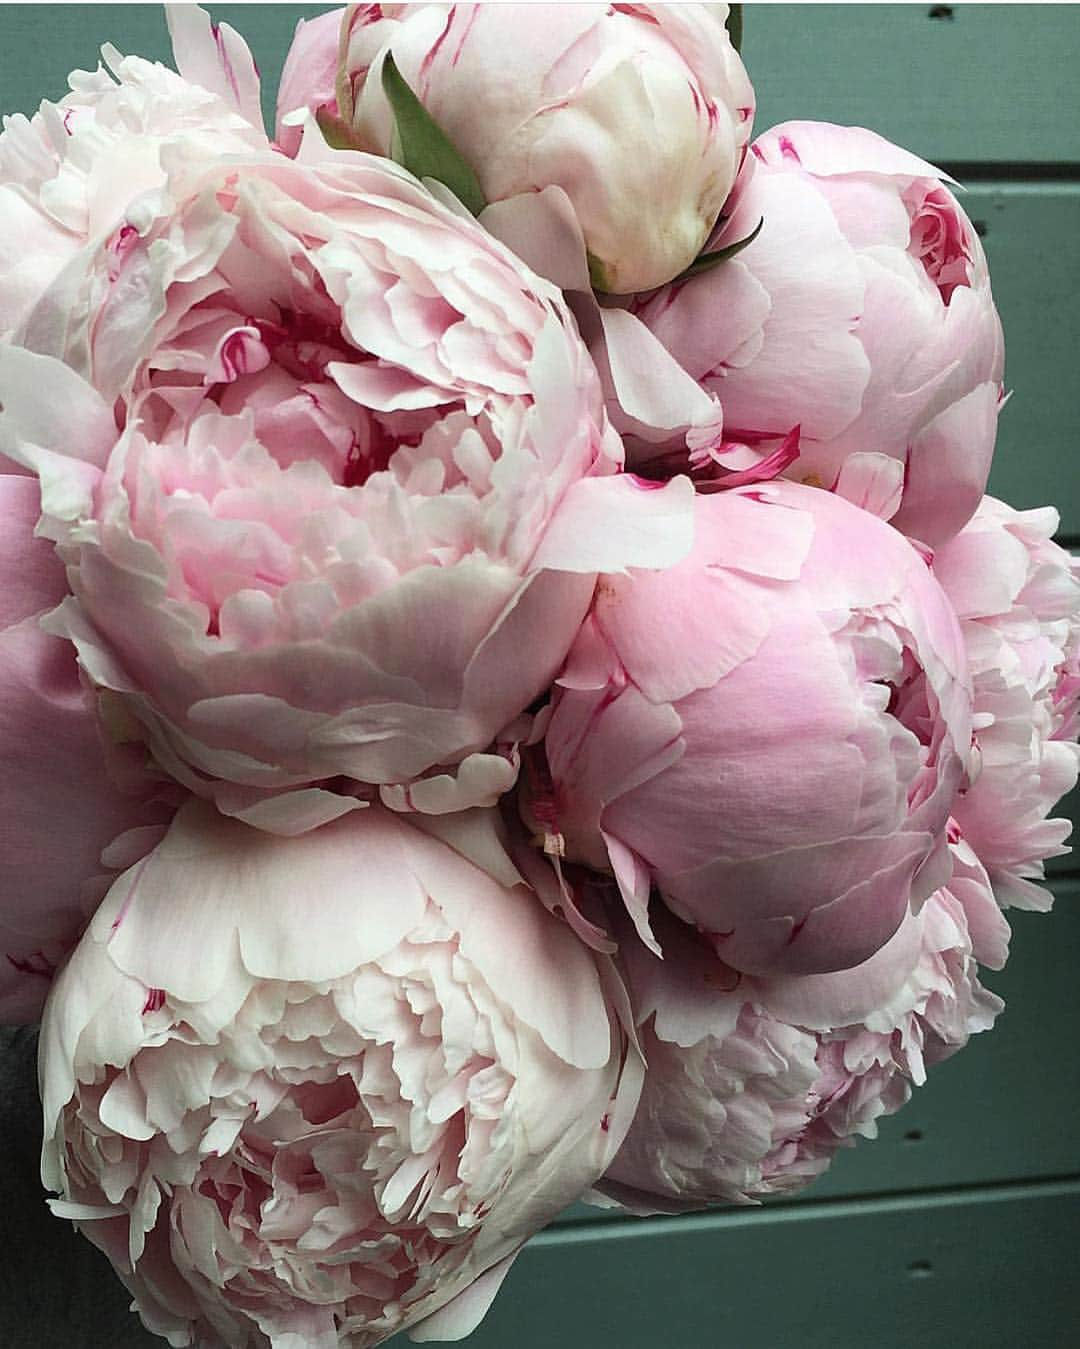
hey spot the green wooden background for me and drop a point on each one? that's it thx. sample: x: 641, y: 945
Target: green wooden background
x: 959, y: 1227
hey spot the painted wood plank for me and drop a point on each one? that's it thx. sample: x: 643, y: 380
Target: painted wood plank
x: 1068, y: 808
x: 1030, y: 234
x: 993, y: 1269
x: 997, y: 1110
x: 987, y: 83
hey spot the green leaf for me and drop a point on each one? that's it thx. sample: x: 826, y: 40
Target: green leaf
x: 420, y: 144
x: 734, y: 26
x: 705, y: 262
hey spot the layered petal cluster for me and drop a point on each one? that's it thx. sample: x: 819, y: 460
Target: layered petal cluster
x: 1018, y: 596
x: 639, y: 113
x: 861, y: 313
x: 332, y: 477
x: 70, y: 173
x: 755, y: 1083
x: 309, y: 1091
x: 74, y: 809
x: 773, y: 732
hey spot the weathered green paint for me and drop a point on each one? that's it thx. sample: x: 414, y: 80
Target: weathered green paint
x: 990, y: 1270
x: 42, y: 43
x: 991, y: 84
x: 1031, y: 229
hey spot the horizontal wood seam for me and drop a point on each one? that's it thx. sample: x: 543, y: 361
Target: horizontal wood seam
x: 620, y: 1227
x: 984, y: 172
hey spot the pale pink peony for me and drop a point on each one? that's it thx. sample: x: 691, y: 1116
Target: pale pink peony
x: 309, y: 1091
x: 313, y: 63
x: 1018, y: 597
x: 70, y: 173
x: 754, y: 1084
x: 332, y: 476
x: 861, y: 315
x: 72, y: 815
x: 772, y: 732
x: 640, y: 113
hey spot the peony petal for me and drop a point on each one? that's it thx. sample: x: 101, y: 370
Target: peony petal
x: 286, y: 814
x: 948, y: 465
x: 33, y: 575
x: 651, y: 386
x: 461, y: 1315
x: 824, y: 150
x: 635, y: 886
x: 216, y: 57
x: 480, y: 780
x: 542, y: 951
x: 230, y: 871
x: 609, y: 524
x: 52, y: 421
x: 873, y: 482
x: 542, y: 229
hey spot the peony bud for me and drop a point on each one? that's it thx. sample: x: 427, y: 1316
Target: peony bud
x: 640, y: 113
x: 860, y: 313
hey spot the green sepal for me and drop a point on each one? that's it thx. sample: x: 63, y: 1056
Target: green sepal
x: 420, y: 145
x: 705, y: 262
x: 336, y: 132
x: 734, y: 26
x: 597, y: 272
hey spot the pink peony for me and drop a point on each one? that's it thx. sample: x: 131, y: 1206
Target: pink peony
x: 753, y: 1084
x: 69, y: 174
x: 309, y: 77
x: 310, y: 1091
x: 1018, y: 597
x: 640, y: 113
x: 861, y: 314
x: 332, y: 477
x: 70, y: 818
x: 773, y: 731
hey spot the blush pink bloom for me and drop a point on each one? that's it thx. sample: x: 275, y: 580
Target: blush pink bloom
x: 640, y: 113
x: 332, y: 477
x: 70, y: 818
x: 1018, y: 597
x: 754, y: 1084
x: 315, y: 62
x: 69, y: 174
x: 772, y: 732
x: 861, y: 314
x: 311, y: 1091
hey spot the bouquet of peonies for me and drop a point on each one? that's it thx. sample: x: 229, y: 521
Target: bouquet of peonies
x: 512, y: 690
